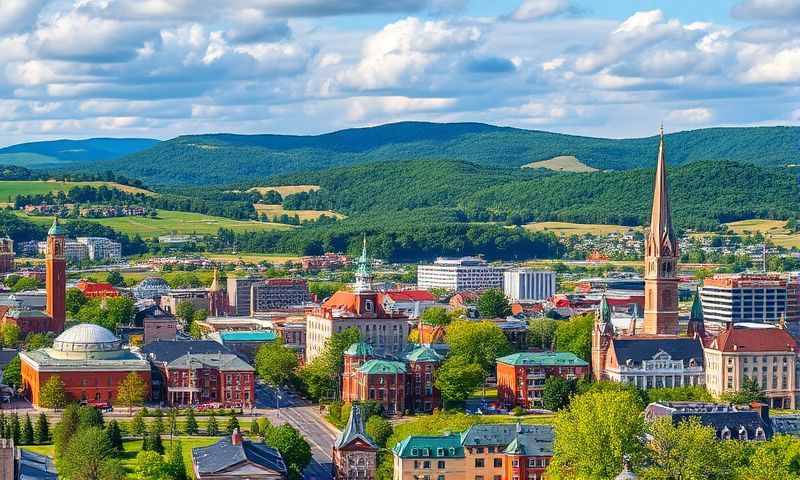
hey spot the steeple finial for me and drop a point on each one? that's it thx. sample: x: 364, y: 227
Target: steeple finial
x: 363, y: 271
x: 605, y: 310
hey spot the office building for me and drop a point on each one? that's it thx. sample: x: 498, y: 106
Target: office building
x: 6, y: 255
x: 523, y: 285
x: 467, y: 273
x: 747, y: 298
x: 239, y: 294
x: 101, y: 248
x: 278, y: 294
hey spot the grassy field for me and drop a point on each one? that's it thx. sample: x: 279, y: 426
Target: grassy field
x: 173, y: 222
x: 278, y: 210
x: 132, y: 447
x: 275, y: 259
x: 775, y: 230
x: 567, y: 229
x: 564, y: 163
x: 9, y: 189
x: 285, y: 190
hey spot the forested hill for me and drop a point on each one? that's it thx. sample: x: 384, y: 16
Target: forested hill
x: 225, y: 158
x: 704, y: 194
x: 58, y: 152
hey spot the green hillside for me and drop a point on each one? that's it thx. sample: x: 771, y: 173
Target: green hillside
x: 226, y: 158
x: 57, y: 152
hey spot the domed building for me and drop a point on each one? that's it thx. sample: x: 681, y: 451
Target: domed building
x: 150, y: 288
x: 90, y: 361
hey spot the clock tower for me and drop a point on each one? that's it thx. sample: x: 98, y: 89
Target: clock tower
x: 56, y: 276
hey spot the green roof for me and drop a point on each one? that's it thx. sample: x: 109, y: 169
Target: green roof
x: 56, y: 228
x: 430, y: 446
x: 558, y: 359
x: 605, y: 310
x: 697, y: 309
x: 257, y: 336
x: 423, y: 354
x: 382, y: 366
x: 360, y: 349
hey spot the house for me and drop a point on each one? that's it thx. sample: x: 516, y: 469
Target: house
x: 236, y: 458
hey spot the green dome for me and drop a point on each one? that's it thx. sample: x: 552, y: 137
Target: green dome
x: 57, y: 228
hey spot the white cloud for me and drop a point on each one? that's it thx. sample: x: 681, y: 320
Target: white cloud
x: 365, y: 108
x: 768, y: 9
x: 17, y: 16
x: 539, y: 9
x: 690, y: 115
x: 781, y: 67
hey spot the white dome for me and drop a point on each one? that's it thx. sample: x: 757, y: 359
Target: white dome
x: 87, y: 337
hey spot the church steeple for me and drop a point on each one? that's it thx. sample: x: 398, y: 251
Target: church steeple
x: 661, y: 258
x: 363, y: 271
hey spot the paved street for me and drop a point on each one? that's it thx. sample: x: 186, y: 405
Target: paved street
x: 307, y: 419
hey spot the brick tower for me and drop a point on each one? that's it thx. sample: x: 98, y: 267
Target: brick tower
x: 56, y: 277
x: 661, y: 259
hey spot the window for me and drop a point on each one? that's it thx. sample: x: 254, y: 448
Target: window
x: 479, y: 449
x: 426, y: 464
x: 515, y: 463
x: 478, y: 463
x: 440, y: 464
x: 498, y: 462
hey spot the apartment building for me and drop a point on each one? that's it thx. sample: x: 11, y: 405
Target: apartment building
x: 748, y: 298
x: 521, y: 376
x: 101, y: 248
x: 466, y: 273
x: 528, y: 285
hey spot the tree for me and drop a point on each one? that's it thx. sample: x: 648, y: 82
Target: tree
x: 11, y: 373
x: 27, y: 432
x: 114, y: 436
x: 684, y: 451
x: 275, y: 363
x: 10, y: 333
x: 478, y: 342
x: 557, y: 392
x: 575, y: 335
x: 191, y: 422
x: 138, y: 426
x: 154, y: 442
x: 42, y: 429
x: 542, y: 333
x: 75, y: 300
x: 233, y: 424
x: 199, y: 315
x: 254, y: 429
x: 132, y: 391
x: 185, y: 311
x: 379, y: 429
x: 292, y: 446
x: 175, y: 463
x: 594, y: 433
x: 457, y: 378
x: 53, y: 394
x: 493, y: 304
x: 750, y: 392
x: 158, y: 422
x: 150, y: 465
x: 172, y: 421
x: 88, y: 456
x: 119, y: 311
x: 436, y: 316
x: 65, y: 429
x: 35, y: 341
x: 211, y: 428
x: 115, y: 278
x: 321, y: 374
x: 776, y: 459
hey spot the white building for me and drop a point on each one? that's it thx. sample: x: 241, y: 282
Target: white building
x: 101, y: 248
x: 527, y: 285
x: 74, y: 251
x: 466, y: 273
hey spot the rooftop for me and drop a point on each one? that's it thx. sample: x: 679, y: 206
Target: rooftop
x: 430, y: 446
x: 360, y: 349
x: 225, y: 454
x: 249, y: 336
x: 375, y: 367
x: 423, y: 354
x: 560, y: 359
x: 744, y: 339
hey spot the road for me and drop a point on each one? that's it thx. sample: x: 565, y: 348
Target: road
x: 307, y: 420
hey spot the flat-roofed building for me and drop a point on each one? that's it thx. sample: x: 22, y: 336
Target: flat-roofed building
x: 239, y: 294
x: 528, y: 285
x: 456, y: 274
x: 746, y: 298
x: 278, y: 293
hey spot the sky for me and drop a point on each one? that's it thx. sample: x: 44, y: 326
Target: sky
x: 619, y: 68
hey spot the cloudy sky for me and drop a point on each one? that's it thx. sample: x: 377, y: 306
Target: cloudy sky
x: 160, y: 68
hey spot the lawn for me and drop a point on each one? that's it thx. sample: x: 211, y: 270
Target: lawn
x: 567, y: 229
x: 564, y: 163
x: 775, y: 230
x: 9, y: 189
x: 167, y: 222
x: 275, y: 259
x: 285, y: 190
x: 490, y: 393
x: 277, y: 210
x: 132, y: 447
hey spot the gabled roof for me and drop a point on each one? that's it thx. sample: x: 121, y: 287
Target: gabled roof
x: 354, y: 430
x: 224, y: 362
x: 745, y: 339
x: 560, y: 359
x: 374, y: 367
x: 423, y: 354
x: 721, y: 417
x: 430, y: 446
x: 532, y: 440
x: 224, y: 455
x: 410, y: 296
x: 96, y: 287
x: 169, y: 350
x: 638, y: 349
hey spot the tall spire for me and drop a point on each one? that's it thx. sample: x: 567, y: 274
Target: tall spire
x: 697, y: 309
x: 215, y: 283
x: 605, y: 310
x: 662, y: 236
x: 363, y: 271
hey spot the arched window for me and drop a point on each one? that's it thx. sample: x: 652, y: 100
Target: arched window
x: 725, y: 434
x: 742, y: 433
x: 760, y: 435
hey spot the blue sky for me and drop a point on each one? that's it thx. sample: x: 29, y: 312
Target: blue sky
x: 161, y: 68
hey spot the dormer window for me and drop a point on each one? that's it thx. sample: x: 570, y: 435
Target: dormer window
x: 725, y: 434
x: 760, y: 435
x: 742, y: 433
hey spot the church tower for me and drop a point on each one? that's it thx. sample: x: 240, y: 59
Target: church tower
x: 56, y: 276
x: 217, y: 298
x: 363, y: 272
x: 602, y: 334
x: 661, y: 259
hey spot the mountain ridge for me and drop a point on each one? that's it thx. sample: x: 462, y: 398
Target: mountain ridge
x: 50, y: 153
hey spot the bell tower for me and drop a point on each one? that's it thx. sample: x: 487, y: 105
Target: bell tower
x: 56, y: 276
x: 661, y: 259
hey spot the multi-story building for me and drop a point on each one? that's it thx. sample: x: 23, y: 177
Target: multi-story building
x: 747, y: 298
x: 466, y: 273
x: 489, y: 451
x: 209, y: 378
x: 97, y: 289
x: 408, y: 302
x: 101, y: 248
x: 6, y: 255
x: 74, y: 251
x: 328, y: 261
x: 278, y: 293
x: 730, y: 422
x: 293, y: 334
x: 355, y: 453
x: 767, y: 355
x: 245, y: 343
x: 528, y: 285
x: 198, y: 297
x: 239, y: 291
x: 158, y: 325
x: 521, y: 376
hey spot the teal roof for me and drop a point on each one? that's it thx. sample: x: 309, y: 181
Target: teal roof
x: 423, y: 354
x: 256, y: 336
x: 360, y: 349
x: 697, y: 309
x: 382, y: 366
x: 605, y: 310
x: 558, y: 359
x: 430, y: 446
x: 56, y: 228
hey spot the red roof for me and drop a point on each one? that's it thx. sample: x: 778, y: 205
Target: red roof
x: 92, y: 288
x: 411, y: 296
x: 744, y: 339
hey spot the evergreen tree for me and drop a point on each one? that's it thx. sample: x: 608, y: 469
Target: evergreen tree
x: 114, y: 436
x: 27, y: 432
x: 65, y: 429
x: 191, y: 423
x: 138, y: 427
x: 212, y: 429
x: 90, y: 417
x: 254, y: 430
x: 42, y: 429
x: 175, y: 463
x: 154, y: 443
x: 158, y: 423
x: 15, y: 429
x: 233, y: 424
x: 172, y: 421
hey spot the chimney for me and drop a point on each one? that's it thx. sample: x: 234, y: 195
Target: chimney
x: 763, y: 411
x: 236, y: 437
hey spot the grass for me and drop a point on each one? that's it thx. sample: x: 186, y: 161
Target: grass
x: 564, y: 163
x: 276, y: 259
x: 567, y: 229
x: 775, y: 230
x: 132, y: 447
x: 9, y: 189
x: 278, y: 210
x: 478, y: 393
x: 285, y: 190
x: 169, y: 222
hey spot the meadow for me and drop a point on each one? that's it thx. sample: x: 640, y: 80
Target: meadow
x: 567, y: 229
x: 564, y: 163
x: 285, y: 190
x: 277, y: 210
x: 775, y: 230
x: 9, y: 189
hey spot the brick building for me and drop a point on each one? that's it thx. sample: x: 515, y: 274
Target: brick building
x: 89, y: 360
x: 97, y: 289
x: 521, y: 376
x: 355, y: 454
x: 158, y: 325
